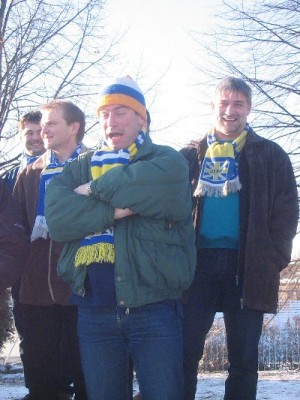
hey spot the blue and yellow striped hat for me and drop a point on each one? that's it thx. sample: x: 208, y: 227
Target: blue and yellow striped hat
x: 123, y: 91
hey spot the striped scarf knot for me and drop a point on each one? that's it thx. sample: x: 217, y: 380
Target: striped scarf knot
x: 99, y: 247
x: 54, y: 167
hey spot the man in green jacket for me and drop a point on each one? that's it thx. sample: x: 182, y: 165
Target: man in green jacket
x: 125, y: 215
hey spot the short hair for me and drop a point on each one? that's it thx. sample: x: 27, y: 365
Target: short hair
x: 232, y: 84
x: 71, y: 114
x: 148, y: 120
x: 32, y: 116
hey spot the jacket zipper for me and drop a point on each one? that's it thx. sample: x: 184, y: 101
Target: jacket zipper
x: 237, y: 284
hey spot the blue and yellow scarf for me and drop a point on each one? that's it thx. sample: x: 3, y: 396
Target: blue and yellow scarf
x: 54, y: 167
x: 219, y: 173
x: 26, y: 160
x: 99, y: 247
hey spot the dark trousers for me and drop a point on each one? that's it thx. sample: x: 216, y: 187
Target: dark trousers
x: 18, y: 317
x: 215, y: 289
x: 16, y: 308
x: 49, y: 348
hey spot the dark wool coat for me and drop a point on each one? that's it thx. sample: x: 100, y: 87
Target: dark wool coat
x: 268, y: 216
x: 40, y: 284
x: 13, y: 243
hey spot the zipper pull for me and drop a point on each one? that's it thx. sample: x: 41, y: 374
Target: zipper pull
x: 237, y: 280
x: 242, y: 303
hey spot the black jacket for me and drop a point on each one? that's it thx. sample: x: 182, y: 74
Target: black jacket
x: 13, y: 243
x: 268, y: 216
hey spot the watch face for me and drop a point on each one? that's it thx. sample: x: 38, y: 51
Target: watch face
x: 88, y: 188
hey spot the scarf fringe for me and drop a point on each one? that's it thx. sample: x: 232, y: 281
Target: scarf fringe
x: 218, y: 191
x: 40, y: 228
x: 100, y: 252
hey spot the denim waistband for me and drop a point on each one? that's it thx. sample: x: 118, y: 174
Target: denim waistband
x: 169, y: 302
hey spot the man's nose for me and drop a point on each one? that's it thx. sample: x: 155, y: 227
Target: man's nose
x: 229, y: 109
x: 37, y: 137
x: 111, y: 120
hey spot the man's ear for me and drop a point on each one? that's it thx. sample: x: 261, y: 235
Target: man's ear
x: 76, y: 127
x: 142, y: 122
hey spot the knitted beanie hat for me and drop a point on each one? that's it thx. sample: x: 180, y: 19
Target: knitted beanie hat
x: 123, y: 91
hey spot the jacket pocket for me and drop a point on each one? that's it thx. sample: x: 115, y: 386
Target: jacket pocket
x: 276, y: 253
x: 159, y: 256
x: 66, y: 268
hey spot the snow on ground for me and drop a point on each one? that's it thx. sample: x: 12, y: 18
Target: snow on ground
x: 274, y: 385
x: 12, y: 386
x: 271, y: 386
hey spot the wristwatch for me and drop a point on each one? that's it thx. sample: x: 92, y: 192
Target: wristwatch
x: 88, y: 188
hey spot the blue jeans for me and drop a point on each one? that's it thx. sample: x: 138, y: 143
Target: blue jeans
x: 151, y: 334
x: 215, y: 289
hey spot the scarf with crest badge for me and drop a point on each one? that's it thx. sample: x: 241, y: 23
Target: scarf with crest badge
x: 99, y: 247
x: 219, y: 173
x: 54, y: 167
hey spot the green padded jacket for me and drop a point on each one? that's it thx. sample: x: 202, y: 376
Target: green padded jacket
x: 155, y: 248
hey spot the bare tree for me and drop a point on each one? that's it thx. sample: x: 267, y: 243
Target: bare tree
x: 260, y: 42
x: 48, y: 49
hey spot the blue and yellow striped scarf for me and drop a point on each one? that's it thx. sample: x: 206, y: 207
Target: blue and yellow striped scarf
x: 99, y: 247
x: 219, y: 173
x: 54, y: 167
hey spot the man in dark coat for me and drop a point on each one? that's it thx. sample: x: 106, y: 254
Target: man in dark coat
x: 245, y: 216
x: 29, y: 128
x: 47, y: 315
x: 13, y: 244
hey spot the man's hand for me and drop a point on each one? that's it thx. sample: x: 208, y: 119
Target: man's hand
x: 123, y: 212
x: 82, y: 189
x: 119, y: 212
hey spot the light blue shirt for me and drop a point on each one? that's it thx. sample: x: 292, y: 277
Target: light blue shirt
x: 220, y: 222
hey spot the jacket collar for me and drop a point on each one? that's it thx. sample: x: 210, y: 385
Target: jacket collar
x: 253, y: 137
x: 42, y: 161
x: 145, y: 148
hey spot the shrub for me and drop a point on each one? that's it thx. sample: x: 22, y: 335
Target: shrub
x: 6, y: 319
